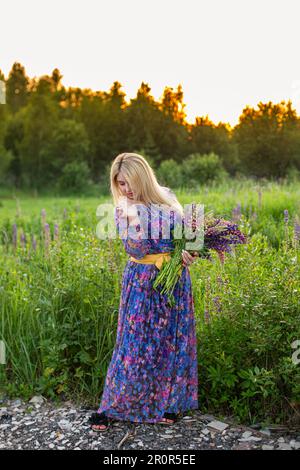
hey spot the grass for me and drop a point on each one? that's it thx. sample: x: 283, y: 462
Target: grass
x: 59, y: 302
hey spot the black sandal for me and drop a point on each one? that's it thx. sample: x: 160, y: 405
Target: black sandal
x: 97, y: 419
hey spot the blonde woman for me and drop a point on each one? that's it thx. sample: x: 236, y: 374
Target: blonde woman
x: 152, y: 376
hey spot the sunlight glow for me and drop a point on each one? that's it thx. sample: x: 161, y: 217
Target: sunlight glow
x: 225, y: 54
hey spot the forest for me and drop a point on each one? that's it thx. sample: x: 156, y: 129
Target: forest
x: 63, y: 139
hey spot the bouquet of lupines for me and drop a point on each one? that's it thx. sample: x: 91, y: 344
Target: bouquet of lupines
x: 217, y: 234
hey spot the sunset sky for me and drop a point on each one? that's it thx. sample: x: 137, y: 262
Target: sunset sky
x: 226, y: 54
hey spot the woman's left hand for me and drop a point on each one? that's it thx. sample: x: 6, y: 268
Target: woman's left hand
x: 189, y: 258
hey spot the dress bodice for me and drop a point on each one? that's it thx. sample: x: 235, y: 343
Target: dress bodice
x: 151, y: 232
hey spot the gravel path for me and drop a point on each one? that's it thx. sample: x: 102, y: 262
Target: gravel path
x: 39, y: 424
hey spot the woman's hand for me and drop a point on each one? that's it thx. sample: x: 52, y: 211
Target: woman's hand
x: 127, y: 209
x: 189, y: 258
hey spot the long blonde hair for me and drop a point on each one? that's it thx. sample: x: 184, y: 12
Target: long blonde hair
x: 141, y: 177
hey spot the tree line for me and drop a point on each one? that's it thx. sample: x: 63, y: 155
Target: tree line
x: 55, y: 135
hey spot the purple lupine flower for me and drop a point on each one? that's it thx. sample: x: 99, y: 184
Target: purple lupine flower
x: 296, y: 231
x: 286, y: 216
x: 47, y: 235
x: 56, y: 232
x: 221, y: 234
x: 206, y: 316
x: 23, y: 240
x: 14, y: 238
x: 217, y: 303
x: 236, y: 212
x: 33, y: 242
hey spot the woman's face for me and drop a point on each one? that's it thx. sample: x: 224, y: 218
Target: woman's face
x: 124, y: 186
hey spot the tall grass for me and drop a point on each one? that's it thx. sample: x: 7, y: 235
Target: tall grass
x: 60, y: 290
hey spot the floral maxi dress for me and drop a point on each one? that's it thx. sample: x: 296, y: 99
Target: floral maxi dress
x: 153, y: 369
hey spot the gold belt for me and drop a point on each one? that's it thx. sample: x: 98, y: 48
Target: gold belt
x: 154, y: 258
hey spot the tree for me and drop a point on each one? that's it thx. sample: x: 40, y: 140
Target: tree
x: 206, y: 137
x: 17, y: 88
x: 139, y: 115
x: 39, y: 118
x: 172, y: 104
x: 151, y: 128
x: 69, y: 143
x: 268, y: 139
x: 5, y: 155
x: 104, y: 120
x: 14, y: 135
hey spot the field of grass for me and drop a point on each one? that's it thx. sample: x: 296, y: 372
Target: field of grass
x: 60, y: 289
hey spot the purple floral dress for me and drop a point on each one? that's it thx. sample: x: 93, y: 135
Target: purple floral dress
x: 153, y: 369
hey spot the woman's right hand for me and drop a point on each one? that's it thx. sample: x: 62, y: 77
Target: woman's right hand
x: 189, y: 258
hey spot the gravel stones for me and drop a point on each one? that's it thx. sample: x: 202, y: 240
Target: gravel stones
x: 40, y: 424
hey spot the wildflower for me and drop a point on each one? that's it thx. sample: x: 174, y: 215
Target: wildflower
x: 296, y: 231
x: 56, y: 232
x: 236, y: 212
x: 219, y: 235
x: 47, y: 235
x: 23, y: 239
x: 206, y: 316
x: 33, y: 242
x: 286, y: 216
x: 15, y: 231
x: 217, y: 303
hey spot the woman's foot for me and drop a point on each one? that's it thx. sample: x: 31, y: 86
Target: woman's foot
x: 168, y: 418
x: 99, y: 422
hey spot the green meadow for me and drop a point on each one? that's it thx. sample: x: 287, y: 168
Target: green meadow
x: 60, y: 288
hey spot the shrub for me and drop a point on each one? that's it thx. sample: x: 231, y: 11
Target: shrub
x: 170, y: 173
x: 202, y: 169
x: 75, y: 178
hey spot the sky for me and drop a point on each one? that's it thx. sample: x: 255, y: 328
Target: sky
x: 226, y: 54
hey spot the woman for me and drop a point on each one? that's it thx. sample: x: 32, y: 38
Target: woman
x: 152, y: 376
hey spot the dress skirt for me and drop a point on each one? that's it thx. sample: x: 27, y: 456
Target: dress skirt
x: 153, y: 369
